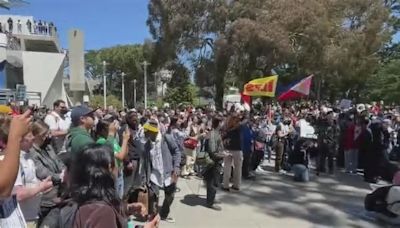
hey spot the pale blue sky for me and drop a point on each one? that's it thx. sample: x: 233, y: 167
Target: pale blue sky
x: 105, y: 23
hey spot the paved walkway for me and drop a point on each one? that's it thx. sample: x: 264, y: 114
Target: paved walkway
x: 274, y: 200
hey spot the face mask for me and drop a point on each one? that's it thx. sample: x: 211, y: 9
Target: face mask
x: 64, y: 111
x: 46, y: 142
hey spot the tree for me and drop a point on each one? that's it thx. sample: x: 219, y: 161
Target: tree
x: 98, y: 101
x: 336, y: 40
x: 179, y: 88
x: 127, y: 59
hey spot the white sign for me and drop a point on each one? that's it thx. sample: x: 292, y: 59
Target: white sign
x: 306, y: 130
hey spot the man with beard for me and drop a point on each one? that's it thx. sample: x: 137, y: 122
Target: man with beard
x: 59, y: 124
x: 131, y: 164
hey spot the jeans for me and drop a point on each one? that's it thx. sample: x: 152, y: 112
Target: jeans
x: 119, y: 184
x: 234, y: 158
x: 169, y: 192
x: 279, y: 149
x: 324, y: 153
x: 351, y: 160
x: 211, y: 177
x: 246, y: 164
x: 301, y: 173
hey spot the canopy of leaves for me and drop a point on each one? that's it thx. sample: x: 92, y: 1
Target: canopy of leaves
x: 336, y: 40
x: 98, y: 101
x: 127, y: 59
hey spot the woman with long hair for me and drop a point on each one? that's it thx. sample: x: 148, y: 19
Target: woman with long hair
x: 47, y: 165
x: 92, y: 187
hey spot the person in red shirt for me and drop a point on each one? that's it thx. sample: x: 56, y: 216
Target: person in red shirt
x: 350, y: 147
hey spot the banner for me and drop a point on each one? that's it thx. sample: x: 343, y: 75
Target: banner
x: 263, y: 87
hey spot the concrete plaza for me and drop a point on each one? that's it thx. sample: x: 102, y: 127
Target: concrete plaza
x: 275, y: 200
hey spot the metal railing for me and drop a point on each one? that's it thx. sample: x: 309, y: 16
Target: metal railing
x: 7, y: 95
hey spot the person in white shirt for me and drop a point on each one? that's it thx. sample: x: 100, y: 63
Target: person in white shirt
x: 59, y: 125
x: 27, y: 188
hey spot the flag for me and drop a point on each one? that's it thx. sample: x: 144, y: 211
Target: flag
x: 263, y: 87
x: 246, y: 100
x: 299, y: 90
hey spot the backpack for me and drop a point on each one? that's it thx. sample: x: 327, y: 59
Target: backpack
x: 61, y: 217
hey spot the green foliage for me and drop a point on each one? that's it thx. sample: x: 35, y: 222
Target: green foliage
x: 98, y: 101
x: 235, y: 41
x: 178, y: 95
x: 124, y: 58
x: 385, y: 84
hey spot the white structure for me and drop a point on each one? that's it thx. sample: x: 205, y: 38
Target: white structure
x: 35, y: 60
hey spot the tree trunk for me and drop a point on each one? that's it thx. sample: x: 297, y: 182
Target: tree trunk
x: 222, y: 59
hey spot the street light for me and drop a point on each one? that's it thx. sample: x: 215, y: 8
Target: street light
x: 145, y: 64
x: 104, y: 85
x: 123, y: 89
x: 134, y: 92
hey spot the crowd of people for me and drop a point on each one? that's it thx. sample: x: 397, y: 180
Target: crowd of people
x: 33, y: 27
x: 88, y: 167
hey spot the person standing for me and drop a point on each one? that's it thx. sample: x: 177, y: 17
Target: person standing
x: 47, y: 164
x: 279, y: 146
x: 327, y: 143
x: 29, y: 26
x: 82, y: 123
x: 350, y: 148
x: 213, y: 171
x: 10, y: 25
x: 235, y: 155
x: 27, y: 187
x: 246, y: 138
x: 59, y: 125
x: 19, y: 26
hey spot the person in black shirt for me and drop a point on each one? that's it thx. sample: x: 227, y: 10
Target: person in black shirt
x: 29, y: 25
x: 10, y: 24
x: 233, y: 145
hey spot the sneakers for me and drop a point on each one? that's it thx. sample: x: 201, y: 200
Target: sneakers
x: 235, y: 188
x: 214, y: 207
x: 168, y: 219
x: 225, y: 189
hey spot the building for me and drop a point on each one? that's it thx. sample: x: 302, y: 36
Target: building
x: 31, y: 56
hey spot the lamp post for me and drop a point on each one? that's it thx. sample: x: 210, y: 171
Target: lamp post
x: 104, y: 85
x: 145, y: 64
x: 134, y: 92
x: 123, y: 89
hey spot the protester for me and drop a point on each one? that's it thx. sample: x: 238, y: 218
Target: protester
x: 350, y: 147
x: 12, y: 130
x: 27, y: 187
x: 247, y: 138
x: 94, y: 190
x: 212, y: 173
x: 235, y: 157
x: 120, y: 152
x: 59, y: 125
x: 328, y: 137
x: 47, y: 164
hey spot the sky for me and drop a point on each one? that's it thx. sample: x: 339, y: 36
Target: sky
x: 104, y: 23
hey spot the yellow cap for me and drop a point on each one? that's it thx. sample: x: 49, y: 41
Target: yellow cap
x: 149, y: 127
x: 4, y: 109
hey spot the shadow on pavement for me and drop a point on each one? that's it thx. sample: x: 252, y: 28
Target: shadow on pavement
x: 193, y: 200
x: 333, y: 201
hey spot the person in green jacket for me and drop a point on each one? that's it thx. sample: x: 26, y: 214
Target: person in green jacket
x: 82, y: 119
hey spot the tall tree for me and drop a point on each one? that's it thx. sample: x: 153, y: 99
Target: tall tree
x: 127, y: 59
x: 336, y: 40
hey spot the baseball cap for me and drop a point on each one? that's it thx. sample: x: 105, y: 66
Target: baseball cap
x: 78, y: 112
x: 5, y: 109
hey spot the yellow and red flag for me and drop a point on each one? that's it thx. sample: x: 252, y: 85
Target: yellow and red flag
x: 262, y: 87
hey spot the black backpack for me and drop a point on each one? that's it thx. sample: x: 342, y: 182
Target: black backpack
x: 61, y: 217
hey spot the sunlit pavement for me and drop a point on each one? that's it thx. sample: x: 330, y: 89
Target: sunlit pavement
x: 275, y: 200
